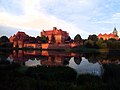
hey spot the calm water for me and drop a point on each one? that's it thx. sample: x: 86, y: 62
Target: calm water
x: 82, y: 63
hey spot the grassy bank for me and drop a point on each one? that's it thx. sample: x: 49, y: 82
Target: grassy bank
x: 17, y: 77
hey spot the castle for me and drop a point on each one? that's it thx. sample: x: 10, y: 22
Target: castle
x: 113, y: 35
x: 22, y: 40
x: 60, y: 36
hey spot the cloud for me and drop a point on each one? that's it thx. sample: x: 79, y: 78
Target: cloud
x: 34, y: 18
x: 74, y: 16
x: 114, y: 18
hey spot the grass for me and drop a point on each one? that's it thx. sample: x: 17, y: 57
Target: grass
x: 17, y: 77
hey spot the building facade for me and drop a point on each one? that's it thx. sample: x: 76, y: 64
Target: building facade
x: 113, y: 35
x: 18, y: 39
x: 21, y: 39
x: 59, y: 35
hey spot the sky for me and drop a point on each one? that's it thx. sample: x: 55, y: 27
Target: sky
x: 84, y: 17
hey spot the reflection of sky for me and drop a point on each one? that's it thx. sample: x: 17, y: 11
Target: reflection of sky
x: 32, y: 62
x: 85, y: 67
x: 9, y: 59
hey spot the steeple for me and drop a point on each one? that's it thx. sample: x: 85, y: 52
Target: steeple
x: 115, y: 32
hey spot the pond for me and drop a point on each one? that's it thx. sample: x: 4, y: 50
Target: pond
x: 82, y: 63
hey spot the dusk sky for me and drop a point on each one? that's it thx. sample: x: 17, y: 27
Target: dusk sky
x: 82, y: 17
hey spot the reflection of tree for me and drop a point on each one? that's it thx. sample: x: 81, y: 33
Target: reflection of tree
x: 66, y: 60
x: 3, y: 56
x: 77, y: 60
x: 92, y: 57
x: 53, y: 59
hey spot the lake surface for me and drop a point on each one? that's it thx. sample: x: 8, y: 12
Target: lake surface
x: 82, y: 63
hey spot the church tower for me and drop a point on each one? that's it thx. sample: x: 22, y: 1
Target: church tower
x: 115, y: 32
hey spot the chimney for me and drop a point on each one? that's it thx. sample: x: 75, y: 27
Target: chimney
x: 54, y: 28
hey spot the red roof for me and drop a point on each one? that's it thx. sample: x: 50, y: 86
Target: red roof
x: 112, y: 35
x: 105, y: 34
x: 100, y: 34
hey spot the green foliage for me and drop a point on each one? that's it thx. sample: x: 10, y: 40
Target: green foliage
x: 77, y: 38
x: 93, y: 37
x: 4, y: 39
x: 52, y: 73
x: 113, y: 44
x: 16, y: 77
x: 53, y: 39
x: 44, y: 39
x: 104, y: 45
x: 89, y: 43
x: 4, y: 42
x: 99, y: 43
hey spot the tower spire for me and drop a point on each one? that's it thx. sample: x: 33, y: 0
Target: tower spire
x: 115, y: 32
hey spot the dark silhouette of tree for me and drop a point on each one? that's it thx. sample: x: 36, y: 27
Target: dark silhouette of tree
x: 38, y: 38
x: 44, y: 39
x: 32, y: 39
x: 47, y: 39
x: 93, y: 37
x: 4, y: 39
x: 112, y: 39
x: 53, y: 39
x: 5, y: 43
x: 68, y: 40
x: 77, y: 38
x: 89, y: 43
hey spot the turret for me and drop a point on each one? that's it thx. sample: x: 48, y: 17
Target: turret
x: 115, y: 32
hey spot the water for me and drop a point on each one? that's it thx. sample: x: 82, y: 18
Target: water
x: 82, y: 63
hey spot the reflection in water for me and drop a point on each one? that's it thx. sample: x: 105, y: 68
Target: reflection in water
x: 53, y: 61
x: 92, y: 64
x: 32, y: 62
x: 86, y: 67
x: 9, y: 59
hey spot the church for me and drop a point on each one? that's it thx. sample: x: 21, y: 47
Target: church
x: 113, y: 35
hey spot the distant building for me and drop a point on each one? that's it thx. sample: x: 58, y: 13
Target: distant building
x: 113, y: 35
x: 21, y: 39
x: 18, y: 39
x: 60, y: 36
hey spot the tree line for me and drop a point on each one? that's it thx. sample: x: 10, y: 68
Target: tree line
x: 91, y: 42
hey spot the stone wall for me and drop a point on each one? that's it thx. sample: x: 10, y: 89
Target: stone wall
x: 59, y: 46
x: 32, y: 45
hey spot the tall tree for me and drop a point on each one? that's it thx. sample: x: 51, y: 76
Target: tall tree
x: 4, y: 39
x: 44, y: 39
x: 53, y: 39
x: 77, y: 38
x: 93, y: 37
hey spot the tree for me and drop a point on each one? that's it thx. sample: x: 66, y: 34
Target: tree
x: 77, y: 38
x: 53, y: 39
x: 38, y: 38
x: 44, y: 39
x: 104, y: 45
x: 68, y: 39
x: 4, y: 42
x: 99, y: 43
x: 89, y: 44
x: 4, y: 39
x: 93, y: 37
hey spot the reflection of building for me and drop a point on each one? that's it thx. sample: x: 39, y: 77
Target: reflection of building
x: 18, y: 56
x: 59, y: 35
x: 53, y: 61
x: 108, y: 36
x: 32, y: 52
